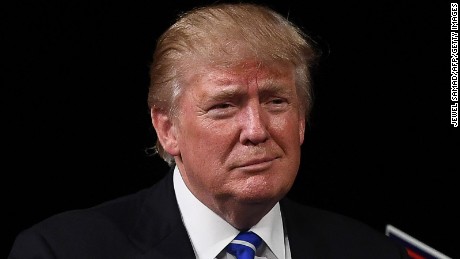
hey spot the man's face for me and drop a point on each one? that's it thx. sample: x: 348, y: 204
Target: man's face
x: 239, y: 133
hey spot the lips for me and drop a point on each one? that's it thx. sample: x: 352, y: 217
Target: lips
x: 256, y: 163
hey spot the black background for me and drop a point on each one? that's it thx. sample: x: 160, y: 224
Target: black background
x: 379, y: 145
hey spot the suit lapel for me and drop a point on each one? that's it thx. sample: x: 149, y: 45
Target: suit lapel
x: 160, y: 232
x: 300, y: 234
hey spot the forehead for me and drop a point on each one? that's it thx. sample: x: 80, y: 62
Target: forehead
x: 244, y: 74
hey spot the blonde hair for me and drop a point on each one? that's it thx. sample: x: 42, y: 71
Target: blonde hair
x: 223, y: 35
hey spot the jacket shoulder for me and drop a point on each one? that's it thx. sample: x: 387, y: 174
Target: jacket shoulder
x: 84, y: 232
x: 336, y: 235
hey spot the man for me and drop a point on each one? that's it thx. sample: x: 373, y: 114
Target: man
x: 229, y: 98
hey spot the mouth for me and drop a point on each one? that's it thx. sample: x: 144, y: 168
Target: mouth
x: 257, y: 164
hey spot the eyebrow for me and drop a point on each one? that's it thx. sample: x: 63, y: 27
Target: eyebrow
x: 274, y: 87
x: 232, y: 91
x: 226, y: 93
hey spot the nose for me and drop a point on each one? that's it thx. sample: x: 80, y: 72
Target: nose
x: 253, y: 125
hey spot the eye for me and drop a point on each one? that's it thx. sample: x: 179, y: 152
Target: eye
x: 221, y: 110
x: 277, y: 104
x: 220, y: 106
x: 277, y: 101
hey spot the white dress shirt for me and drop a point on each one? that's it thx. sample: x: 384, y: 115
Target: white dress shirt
x: 210, y: 234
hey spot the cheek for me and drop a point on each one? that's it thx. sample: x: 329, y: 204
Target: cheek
x: 215, y: 137
x: 204, y: 139
x: 285, y: 129
x: 278, y: 124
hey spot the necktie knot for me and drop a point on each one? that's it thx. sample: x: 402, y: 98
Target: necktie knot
x: 244, y: 245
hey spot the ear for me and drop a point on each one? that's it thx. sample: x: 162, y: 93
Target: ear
x: 166, y: 131
x: 302, y: 120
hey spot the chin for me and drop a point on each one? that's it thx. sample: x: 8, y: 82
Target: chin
x: 259, y: 196
x: 260, y: 189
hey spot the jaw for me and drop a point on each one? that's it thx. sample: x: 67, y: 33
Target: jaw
x: 243, y: 199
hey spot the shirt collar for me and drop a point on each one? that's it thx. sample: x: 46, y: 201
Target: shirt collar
x: 210, y: 234
x: 270, y: 229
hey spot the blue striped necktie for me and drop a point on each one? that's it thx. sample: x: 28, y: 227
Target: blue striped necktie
x: 244, y: 245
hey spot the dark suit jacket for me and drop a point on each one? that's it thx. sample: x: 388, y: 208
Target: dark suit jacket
x: 148, y: 224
